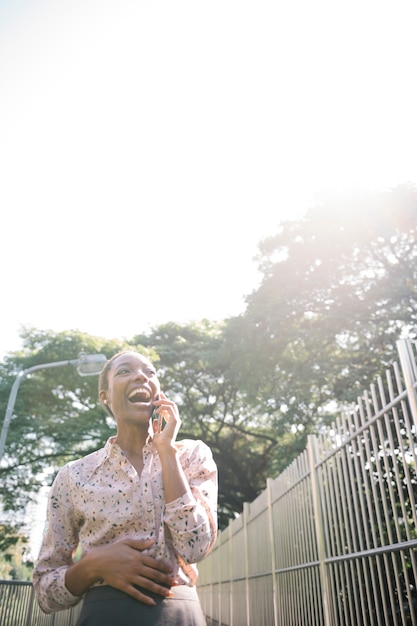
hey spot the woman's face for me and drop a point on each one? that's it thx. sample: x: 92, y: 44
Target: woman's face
x: 132, y: 387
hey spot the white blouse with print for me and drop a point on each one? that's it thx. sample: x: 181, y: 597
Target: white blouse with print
x: 100, y: 499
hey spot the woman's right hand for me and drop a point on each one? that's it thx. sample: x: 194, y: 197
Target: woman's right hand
x: 122, y: 565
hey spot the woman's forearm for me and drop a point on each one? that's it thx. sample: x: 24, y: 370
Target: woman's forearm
x: 175, y: 482
x: 81, y: 575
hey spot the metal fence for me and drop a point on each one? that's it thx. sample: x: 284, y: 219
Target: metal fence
x: 19, y: 607
x: 332, y: 541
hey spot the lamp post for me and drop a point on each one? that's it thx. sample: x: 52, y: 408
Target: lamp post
x: 86, y: 365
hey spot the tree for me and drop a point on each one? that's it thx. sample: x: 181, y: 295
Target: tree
x: 13, y: 550
x: 57, y: 417
x: 338, y: 290
x: 195, y: 372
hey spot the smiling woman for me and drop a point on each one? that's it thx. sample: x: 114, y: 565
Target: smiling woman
x: 142, y: 510
x: 118, y: 372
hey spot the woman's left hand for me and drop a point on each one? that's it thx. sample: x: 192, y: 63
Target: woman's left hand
x: 165, y: 434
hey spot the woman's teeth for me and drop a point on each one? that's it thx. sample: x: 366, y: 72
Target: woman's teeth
x: 139, y: 394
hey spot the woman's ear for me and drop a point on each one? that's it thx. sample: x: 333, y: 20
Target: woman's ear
x: 105, y: 403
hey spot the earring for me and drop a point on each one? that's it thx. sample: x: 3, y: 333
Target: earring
x: 104, y: 401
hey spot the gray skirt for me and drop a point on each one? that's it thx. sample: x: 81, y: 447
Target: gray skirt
x: 106, y: 606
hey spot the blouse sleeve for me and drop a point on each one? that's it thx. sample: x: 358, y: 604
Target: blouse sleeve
x: 58, y: 547
x: 192, y: 518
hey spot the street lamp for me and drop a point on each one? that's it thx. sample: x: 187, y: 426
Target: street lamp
x: 86, y: 365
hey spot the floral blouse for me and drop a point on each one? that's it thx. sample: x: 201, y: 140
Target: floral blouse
x: 100, y: 499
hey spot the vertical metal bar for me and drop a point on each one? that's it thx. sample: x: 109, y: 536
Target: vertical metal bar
x: 410, y: 451
x: 272, y: 548
x: 350, y: 495
x: 409, y: 369
x: 347, y: 515
x: 219, y: 580
x: 309, y: 552
x: 390, y: 502
x: 246, y: 549
x: 379, y: 540
x: 290, y: 501
x: 29, y: 613
x: 205, y: 586
x: 209, y: 582
x: 319, y: 529
x: 412, y: 508
x: 230, y: 531
x: 332, y: 530
x: 383, y: 469
x: 211, y: 559
x: 324, y: 446
x: 355, y: 515
x: 362, y: 539
x: 369, y: 519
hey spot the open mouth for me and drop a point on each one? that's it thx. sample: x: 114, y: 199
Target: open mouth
x: 139, y: 394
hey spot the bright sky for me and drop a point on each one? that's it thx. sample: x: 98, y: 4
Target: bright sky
x: 147, y: 146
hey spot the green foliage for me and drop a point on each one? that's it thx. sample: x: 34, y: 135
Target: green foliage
x: 338, y: 290
x: 195, y: 373
x: 9, y: 536
x: 13, y: 550
x: 56, y: 415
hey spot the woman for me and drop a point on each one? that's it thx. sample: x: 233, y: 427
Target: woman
x: 141, y: 510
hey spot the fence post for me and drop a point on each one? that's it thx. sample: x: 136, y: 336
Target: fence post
x: 246, y: 548
x: 409, y: 369
x: 269, y: 482
x: 219, y: 586
x: 212, y: 598
x: 29, y: 614
x: 231, y: 571
x: 319, y: 529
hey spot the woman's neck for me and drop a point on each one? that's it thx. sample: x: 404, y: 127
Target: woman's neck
x: 132, y: 440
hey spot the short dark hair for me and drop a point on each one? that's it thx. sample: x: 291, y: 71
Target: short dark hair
x: 103, y: 379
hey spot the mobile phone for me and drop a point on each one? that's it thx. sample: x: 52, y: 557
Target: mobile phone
x: 160, y: 418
